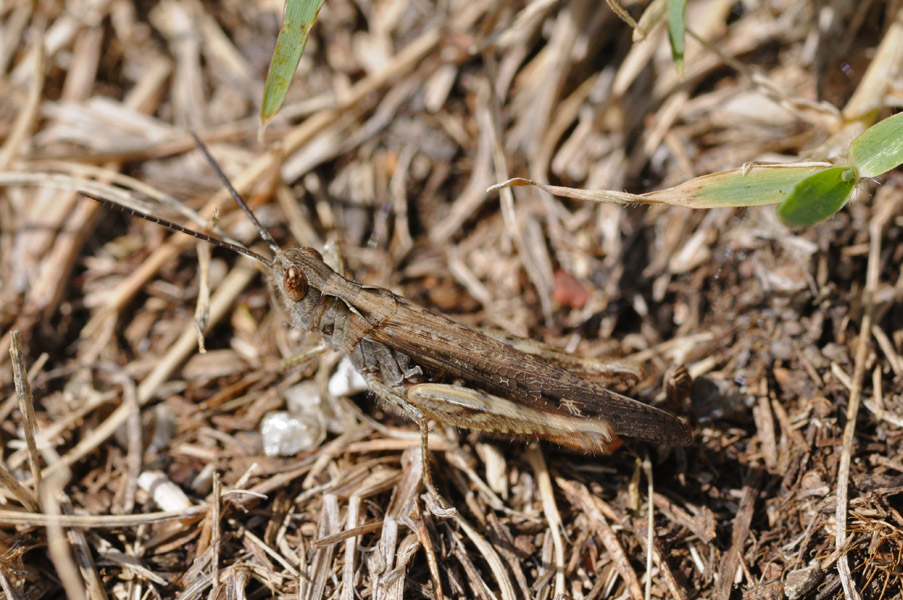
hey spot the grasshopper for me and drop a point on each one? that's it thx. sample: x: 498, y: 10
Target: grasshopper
x: 429, y: 367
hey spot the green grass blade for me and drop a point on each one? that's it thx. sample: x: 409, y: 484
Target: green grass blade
x: 297, y: 20
x: 677, y: 10
x: 879, y: 148
x: 818, y: 197
x: 746, y: 186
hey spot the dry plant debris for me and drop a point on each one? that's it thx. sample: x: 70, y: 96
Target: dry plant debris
x: 402, y: 114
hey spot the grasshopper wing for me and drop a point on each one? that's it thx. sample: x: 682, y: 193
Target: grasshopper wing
x: 438, y: 343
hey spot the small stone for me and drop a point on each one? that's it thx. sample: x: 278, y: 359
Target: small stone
x: 287, y: 434
x: 346, y: 380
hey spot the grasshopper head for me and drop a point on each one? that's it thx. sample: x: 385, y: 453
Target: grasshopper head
x: 299, y: 275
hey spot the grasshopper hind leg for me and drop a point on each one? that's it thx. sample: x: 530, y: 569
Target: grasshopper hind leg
x: 385, y: 393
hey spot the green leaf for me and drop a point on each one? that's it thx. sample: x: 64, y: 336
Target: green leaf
x: 818, y: 197
x: 879, y: 148
x: 298, y: 18
x: 751, y: 185
x: 676, y: 30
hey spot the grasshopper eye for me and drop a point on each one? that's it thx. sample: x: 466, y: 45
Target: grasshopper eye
x: 295, y: 283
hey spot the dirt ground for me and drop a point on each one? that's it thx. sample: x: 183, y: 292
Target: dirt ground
x: 401, y: 115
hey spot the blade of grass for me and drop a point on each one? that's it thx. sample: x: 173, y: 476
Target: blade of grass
x: 298, y: 19
x: 879, y: 148
x: 677, y: 10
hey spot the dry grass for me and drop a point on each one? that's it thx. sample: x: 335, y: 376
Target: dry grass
x: 154, y: 482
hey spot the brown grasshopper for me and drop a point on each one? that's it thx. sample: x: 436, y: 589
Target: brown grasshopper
x: 401, y: 349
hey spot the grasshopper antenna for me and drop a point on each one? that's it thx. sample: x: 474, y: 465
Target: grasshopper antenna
x: 176, y: 227
x: 264, y: 234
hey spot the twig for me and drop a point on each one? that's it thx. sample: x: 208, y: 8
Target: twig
x: 491, y: 556
x: 29, y: 113
x: 57, y: 544
x: 876, y: 228
x: 650, y: 491
x: 587, y: 503
x: 216, y: 533
x: 731, y: 559
x: 83, y: 554
x: 17, y: 517
x: 26, y: 405
x: 550, y: 510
